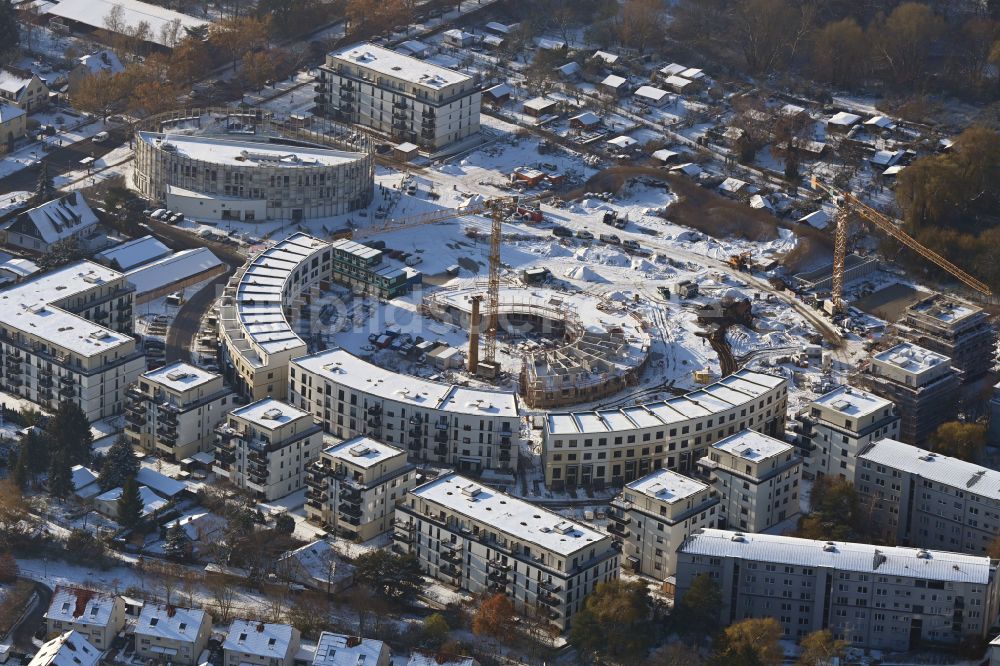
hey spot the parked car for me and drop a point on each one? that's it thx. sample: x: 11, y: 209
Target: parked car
x: 562, y: 232
x: 101, y: 137
x: 610, y: 238
x: 159, y: 214
x: 630, y: 244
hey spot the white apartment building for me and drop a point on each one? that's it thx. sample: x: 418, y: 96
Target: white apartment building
x: 97, y: 616
x: 402, y: 97
x: 757, y: 478
x: 65, y: 335
x: 477, y: 539
x: 172, y: 634
x: 838, y: 425
x: 266, y: 446
x: 468, y: 428
x: 256, y: 337
x: 342, y: 650
x: 655, y: 514
x: 260, y: 644
x: 612, y: 447
x: 915, y: 497
x: 174, y: 410
x: 354, y: 486
x: 67, y: 649
x: 875, y: 597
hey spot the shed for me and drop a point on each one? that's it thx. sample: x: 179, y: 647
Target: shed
x: 608, y: 58
x: 540, y: 106
x: 664, y: 156
x: 621, y: 144
x: 678, y: 83
x: 613, y: 85
x: 458, y: 37
x: 570, y: 70
x: 841, y: 122
x: 818, y: 219
x: 733, y: 186
x: 415, y: 48
x: 586, y: 120
x: 405, y: 152
x: 498, y: 94
x: 673, y: 69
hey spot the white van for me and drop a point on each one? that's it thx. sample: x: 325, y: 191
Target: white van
x: 101, y: 137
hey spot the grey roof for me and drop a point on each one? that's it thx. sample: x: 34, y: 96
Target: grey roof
x: 935, y: 467
x: 842, y: 556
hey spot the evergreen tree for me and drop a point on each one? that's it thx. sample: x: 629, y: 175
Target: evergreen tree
x: 178, y: 546
x: 19, y: 471
x: 284, y: 524
x: 60, y: 476
x: 10, y: 36
x: 44, y: 188
x: 69, y: 428
x: 35, y: 453
x: 130, y: 505
x: 120, y: 465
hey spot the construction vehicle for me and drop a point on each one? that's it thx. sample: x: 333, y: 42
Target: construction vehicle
x: 741, y: 261
x: 848, y: 203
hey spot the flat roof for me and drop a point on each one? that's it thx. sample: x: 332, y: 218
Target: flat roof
x: 966, y: 476
x: 354, y: 248
x: 665, y: 485
x: 840, y: 555
x: 363, y: 451
x: 752, y: 445
x: 94, y: 12
x: 944, y: 308
x: 912, y: 358
x: 853, y: 401
x: 180, y: 376
x: 27, y: 307
x: 340, y: 366
x: 737, y: 389
x: 400, y: 66
x: 270, y: 413
x: 521, y: 519
x: 243, y: 152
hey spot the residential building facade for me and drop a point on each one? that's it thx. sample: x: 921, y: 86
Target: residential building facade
x: 914, y: 497
x: 260, y: 644
x: 361, y: 268
x: 921, y: 383
x: 655, y: 514
x: 612, y: 447
x: 835, y: 427
x: 97, y: 616
x: 39, y: 228
x: 876, y: 597
x: 265, y: 447
x: 757, y: 478
x: 24, y: 90
x: 172, y: 634
x: 173, y: 410
x: 13, y: 124
x: 354, y: 486
x: 65, y: 335
x: 399, y: 96
x: 483, y: 541
x: 469, y: 428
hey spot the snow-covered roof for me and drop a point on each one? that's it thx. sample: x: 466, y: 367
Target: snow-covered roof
x: 613, y: 81
x: 79, y: 606
x: 134, y: 252
x: 760, y: 202
x: 622, y: 141
x: 19, y: 267
x: 818, y: 219
x: 887, y: 158
x: 732, y: 184
x: 664, y: 155
x: 498, y: 27
x: 692, y: 73
x: 651, y: 93
x: 272, y: 641
x: 529, y: 522
x: 688, y: 168
x: 569, y: 69
x: 315, y: 564
x: 667, y: 486
x: 180, y: 376
x: 246, y: 152
x: 677, y: 82
x: 363, y: 451
x: 201, y: 526
x: 965, y: 476
x: 173, y: 268
x: 608, y: 58
x: 82, y: 477
x: 853, y: 401
x: 882, y: 122
x: 269, y: 413
x: 68, y: 649
x: 740, y: 388
x: 170, y: 622
x: 27, y: 307
x: 342, y: 650
x: 12, y: 82
x: 753, y: 446
x: 421, y: 659
x: 841, y: 556
x: 539, y: 104
x: 161, y: 483
x: 549, y: 44
x: 413, y: 47
x: 844, y: 118
x: 672, y: 69
x: 102, y: 61
x: 912, y: 358
x: 791, y: 110
x: 400, y: 66
x: 586, y: 118
x: 9, y: 112
x: 151, y: 502
x: 134, y: 12
x: 346, y: 369
x: 59, y: 218
x: 499, y: 90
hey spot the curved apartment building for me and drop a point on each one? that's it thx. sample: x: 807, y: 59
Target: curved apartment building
x: 612, y: 447
x: 257, y: 339
x: 470, y: 428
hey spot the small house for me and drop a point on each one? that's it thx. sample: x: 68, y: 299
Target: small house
x: 260, y: 644
x: 613, y: 85
x: 172, y: 634
x: 842, y: 122
x: 609, y: 59
x: 587, y: 120
x: 673, y: 69
x: 621, y: 144
x: 458, y: 38
x: 569, y: 72
x: 540, y: 106
x: 415, y: 48
x: 100, y: 62
x: 405, y: 152
x: 23, y: 89
x: 37, y: 229
x: 13, y: 125
x: 733, y: 187
x: 549, y: 44
x: 650, y: 96
x: 500, y: 29
x: 498, y: 95
x: 343, y: 650
x: 664, y: 156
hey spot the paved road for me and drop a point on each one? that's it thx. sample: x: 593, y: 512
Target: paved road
x: 184, y: 327
x: 23, y: 632
x: 61, y: 160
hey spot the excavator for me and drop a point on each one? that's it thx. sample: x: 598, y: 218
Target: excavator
x: 848, y: 203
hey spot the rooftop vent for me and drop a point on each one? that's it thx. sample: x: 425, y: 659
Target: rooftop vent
x: 923, y: 554
x: 359, y: 450
x: 738, y: 537
x: 471, y: 490
x: 272, y: 414
x: 178, y: 375
x: 975, y: 478
x: 830, y: 547
x: 564, y: 527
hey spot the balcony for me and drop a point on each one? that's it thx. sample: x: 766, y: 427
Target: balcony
x: 374, y: 410
x: 402, y: 535
x: 548, y: 586
x: 441, y: 437
x: 350, y: 510
x: 316, y: 480
x: 135, y: 419
x: 45, y: 381
x: 450, y: 570
x: 315, y: 504
x: 67, y: 380
x: 549, y: 599
x: 504, y: 442
x: 415, y: 432
x: 45, y: 394
x: 227, y: 433
x: 441, y: 426
x: 415, y: 445
x: 350, y: 520
x: 134, y: 393
x: 504, y: 456
x: 498, y: 565
x: 415, y: 420
x: 453, y: 556
x: 440, y: 450
x: 617, y: 530
x: 617, y: 515
x: 319, y: 87
x: 317, y: 494
x: 166, y: 434
x: 374, y: 422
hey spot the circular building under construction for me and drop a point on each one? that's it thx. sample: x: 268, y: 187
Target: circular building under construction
x: 231, y: 164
